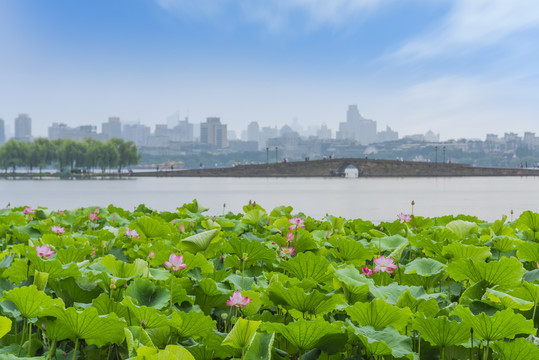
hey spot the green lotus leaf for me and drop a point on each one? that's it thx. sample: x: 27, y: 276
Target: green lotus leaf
x: 379, y: 314
x: 458, y: 250
x: 54, y: 268
x: 528, y: 251
x: 392, y: 292
x: 73, y: 254
x: 5, y: 326
x: 397, y: 253
x: 424, y: 267
x: 160, y: 335
x: 106, y: 305
x: 253, y: 250
x: 312, y: 302
x: 504, y: 243
x: 386, y: 341
x: 389, y: 242
x: 150, y: 227
x: 462, y: 228
x: 56, y: 330
x: 261, y: 347
x: 517, y: 349
x: 123, y: 270
x: 194, y: 207
x: 90, y: 326
x: 211, y: 348
x: 135, y: 336
x: 506, y: 272
x: 474, y: 293
x: 30, y: 301
x: 254, y: 216
x: 71, y: 290
x: 349, y: 250
x: 242, y: 334
x: 426, y: 306
x: 356, y: 286
x: 148, y: 294
x: 149, y: 316
x: 308, y: 266
x: 527, y: 291
x: 174, y: 352
x: 209, y: 294
x: 199, y: 242
x: 507, y: 301
x: 529, y: 220
x: 192, y: 324
x: 304, y: 334
x: 441, y: 332
x: 503, y: 324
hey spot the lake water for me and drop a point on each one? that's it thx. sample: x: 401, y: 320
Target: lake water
x: 375, y: 199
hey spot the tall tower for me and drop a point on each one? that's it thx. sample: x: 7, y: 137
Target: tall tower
x: 214, y: 133
x: 2, y: 132
x: 23, y: 128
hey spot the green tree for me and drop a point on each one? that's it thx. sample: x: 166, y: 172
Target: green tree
x: 14, y: 153
x: 127, y: 152
x: 109, y: 156
x: 72, y: 153
x: 46, y: 152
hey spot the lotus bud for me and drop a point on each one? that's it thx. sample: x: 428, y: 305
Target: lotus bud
x: 250, y: 202
x: 191, y: 224
x: 143, y: 322
x: 413, y: 202
x: 255, y: 278
x: 254, y: 203
x: 224, y: 316
x: 103, y: 244
x: 245, y: 257
x: 182, y: 228
x: 268, y: 222
x: 328, y: 235
x: 112, y: 286
x: 175, y: 221
x: 151, y: 255
x: 213, y: 218
x: 114, y: 218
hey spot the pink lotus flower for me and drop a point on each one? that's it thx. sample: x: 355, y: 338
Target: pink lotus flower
x: 384, y: 264
x: 58, y: 229
x: 93, y: 216
x: 28, y: 210
x: 44, y: 251
x: 287, y: 250
x: 290, y: 236
x: 404, y: 217
x: 132, y: 234
x: 182, y: 228
x: 151, y: 255
x: 366, y: 271
x: 237, y: 300
x: 175, y: 263
x: 296, y: 222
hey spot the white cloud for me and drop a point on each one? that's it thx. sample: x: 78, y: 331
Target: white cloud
x: 274, y: 14
x: 472, y: 25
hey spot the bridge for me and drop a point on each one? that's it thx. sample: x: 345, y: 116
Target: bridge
x: 335, y: 167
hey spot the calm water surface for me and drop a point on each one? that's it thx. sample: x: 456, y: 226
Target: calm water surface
x: 375, y: 199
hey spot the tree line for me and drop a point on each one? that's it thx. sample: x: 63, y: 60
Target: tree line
x: 68, y: 154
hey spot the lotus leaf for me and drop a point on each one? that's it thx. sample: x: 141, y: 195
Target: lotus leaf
x: 72, y: 290
x: 148, y: 316
x: 312, y: 302
x: 528, y: 251
x: 424, y: 267
x: 254, y: 217
x: 56, y: 330
x: 349, y: 250
x: 150, y: 227
x: 192, y: 324
x: 428, y: 307
x: 105, y: 305
x: 461, y: 228
x: 73, y: 254
x: 458, y: 250
x: 88, y: 325
x: 441, y: 332
x: 517, y: 349
x: 199, y: 242
x: 242, y: 334
x: 386, y: 341
x: 148, y: 294
x: 54, y: 268
x: 503, y: 324
x: 261, y: 347
x: 389, y: 242
x: 356, y: 286
x: 529, y: 220
x: 506, y: 272
x: 248, y: 252
x: 5, y: 326
x: 123, y: 270
x: 304, y: 334
x: 30, y: 301
x: 308, y: 266
x: 379, y: 314
x: 507, y: 301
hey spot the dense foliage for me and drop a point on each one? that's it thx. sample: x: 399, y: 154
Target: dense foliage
x: 106, y: 283
x: 68, y: 154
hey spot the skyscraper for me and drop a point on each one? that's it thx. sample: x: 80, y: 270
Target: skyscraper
x: 357, y: 127
x: 112, y: 128
x: 214, y: 133
x: 23, y: 128
x: 253, y: 132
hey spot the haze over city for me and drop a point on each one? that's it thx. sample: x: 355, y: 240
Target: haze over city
x: 459, y: 68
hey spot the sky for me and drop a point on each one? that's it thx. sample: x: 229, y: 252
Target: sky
x: 461, y: 68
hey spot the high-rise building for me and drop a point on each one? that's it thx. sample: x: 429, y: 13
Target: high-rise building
x: 136, y: 133
x: 253, y: 132
x: 324, y: 132
x: 214, y: 133
x: 112, y: 128
x: 357, y: 127
x: 62, y: 131
x: 23, y: 128
x: 182, y: 131
x: 2, y: 132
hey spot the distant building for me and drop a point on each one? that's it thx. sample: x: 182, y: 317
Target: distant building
x: 2, y: 132
x: 387, y: 135
x: 112, y: 128
x: 267, y: 133
x: 23, y: 128
x: 212, y: 132
x: 357, y: 127
x: 62, y: 131
x: 182, y: 132
x: 160, y: 136
x: 324, y: 132
x: 136, y: 133
x: 253, y: 132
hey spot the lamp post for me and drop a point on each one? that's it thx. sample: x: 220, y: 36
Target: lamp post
x: 436, y: 151
x: 444, y: 153
x: 267, y: 155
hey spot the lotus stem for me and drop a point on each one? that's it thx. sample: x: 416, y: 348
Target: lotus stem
x: 442, y: 353
x: 471, y: 340
x: 30, y: 339
x: 76, y: 348
x: 486, y: 351
x: 171, y: 290
x: 242, y: 272
x: 22, y: 337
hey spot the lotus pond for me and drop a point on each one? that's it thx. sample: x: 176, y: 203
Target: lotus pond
x: 107, y: 283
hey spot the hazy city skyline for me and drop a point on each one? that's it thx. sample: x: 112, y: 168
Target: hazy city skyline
x: 459, y: 68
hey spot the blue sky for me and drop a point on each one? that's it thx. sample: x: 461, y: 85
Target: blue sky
x: 461, y: 68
